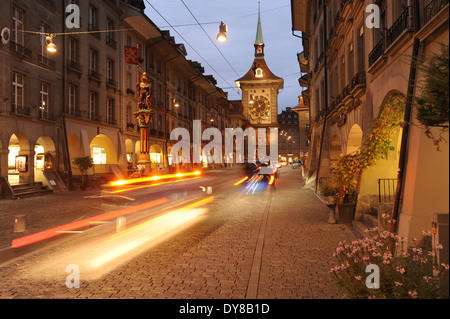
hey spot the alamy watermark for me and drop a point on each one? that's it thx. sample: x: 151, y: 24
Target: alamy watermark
x: 373, y: 280
x: 73, y: 18
x: 373, y: 20
x: 257, y: 145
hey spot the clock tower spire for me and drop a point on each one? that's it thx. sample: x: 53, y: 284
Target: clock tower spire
x: 260, y: 87
x: 259, y: 41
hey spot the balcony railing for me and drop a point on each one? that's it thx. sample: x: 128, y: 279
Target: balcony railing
x: 93, y: 28
x: 94, y: 74
x: 20, y: 110
x: 20, y: 49
x: 398, y: 27
x: 47, y: 116
x: 75, y: 66
x: 432, y: 9
x: 110, y: 41
x: 377, y: 51
x: 111, y: 82
x: 44, y: 60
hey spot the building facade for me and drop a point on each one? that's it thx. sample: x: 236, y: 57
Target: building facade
x: 289, y: 136
x: 350, y: 69
x: 80, y: 100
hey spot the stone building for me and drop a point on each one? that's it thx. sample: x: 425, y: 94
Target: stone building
x: 350, y: 68
x: 79, y: 101
x: 289, y: 136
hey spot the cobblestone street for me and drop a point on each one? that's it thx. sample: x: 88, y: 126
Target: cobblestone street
x: 268, y: 246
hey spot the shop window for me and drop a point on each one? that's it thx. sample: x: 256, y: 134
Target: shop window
x: 98, y: 155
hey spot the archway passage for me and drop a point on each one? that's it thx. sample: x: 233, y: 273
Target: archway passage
x: 382, y: 146
x: 156, y: 156
x: 18, y: 159
x: 354, y: 140
x: 45, y: 153
x: 104, y: 156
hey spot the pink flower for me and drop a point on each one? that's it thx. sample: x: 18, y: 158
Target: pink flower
x: 398, y: 284
x: 401, y: 270
x: 413, y: 294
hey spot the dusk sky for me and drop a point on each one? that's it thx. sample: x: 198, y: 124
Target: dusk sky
x: 228, y: 61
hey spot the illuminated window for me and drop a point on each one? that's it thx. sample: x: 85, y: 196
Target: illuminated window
x: 155, y: 158
x: 259, y: 73
x: 98, y: 155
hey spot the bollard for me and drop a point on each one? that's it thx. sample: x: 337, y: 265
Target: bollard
x: 209, y: 190
x: 121, y: 224
x: 19, y: 224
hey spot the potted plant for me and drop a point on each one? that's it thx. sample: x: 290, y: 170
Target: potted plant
x: 329, y: 191
x: 83, y: 163
x: 345, y: 176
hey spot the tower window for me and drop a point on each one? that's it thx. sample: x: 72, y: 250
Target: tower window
x: 259, y: 73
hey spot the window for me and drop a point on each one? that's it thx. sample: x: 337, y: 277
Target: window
x: 92, y: 18
x: 43, y: 45
x: 110, y: 111
x: 110, y: 34
x: 17, y: 34
x: 129, y: 115
x: 44, y: 101
x: 351, y: 67
x: 92, y: 105
x: 72, y: 99
x: 18, y: 88
x: 73, y: 54
x: 110, y: 70
x: 92, y: 61
x: 98, y: 155
x: 259, y: 73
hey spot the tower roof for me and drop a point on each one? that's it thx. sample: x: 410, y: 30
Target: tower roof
x: 259, y: 35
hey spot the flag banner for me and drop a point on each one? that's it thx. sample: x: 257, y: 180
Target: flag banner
x: 131, y: 55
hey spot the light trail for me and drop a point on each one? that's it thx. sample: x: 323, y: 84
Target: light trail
x: 46, y: 234
x: 153, y: 178
x: 148, y: 233
x: 241, y: 181
x: 152, y: 185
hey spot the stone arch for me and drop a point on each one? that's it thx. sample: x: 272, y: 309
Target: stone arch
x: 378, y: 182
x: 354, y: 139
x: 44, y: 145
x: 18, y: 145
x: 156, y: 155
x: 103, y: 150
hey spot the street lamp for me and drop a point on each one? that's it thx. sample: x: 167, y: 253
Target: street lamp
x: 51, y: 47
x: 223, y: 29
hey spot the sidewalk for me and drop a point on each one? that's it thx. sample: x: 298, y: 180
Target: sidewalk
x: 299, y: 243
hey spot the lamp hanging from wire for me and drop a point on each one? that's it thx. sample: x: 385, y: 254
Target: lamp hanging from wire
x: 51, y: 47
x: 223, y: 29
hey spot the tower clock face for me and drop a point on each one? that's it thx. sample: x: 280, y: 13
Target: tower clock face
x: 260, y: 107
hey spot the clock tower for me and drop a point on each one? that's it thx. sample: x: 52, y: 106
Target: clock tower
x: 260, y: 88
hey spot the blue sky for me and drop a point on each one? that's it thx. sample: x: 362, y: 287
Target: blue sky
x: 232, y: 59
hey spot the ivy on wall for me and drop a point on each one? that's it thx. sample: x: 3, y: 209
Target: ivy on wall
x: 347, y: 171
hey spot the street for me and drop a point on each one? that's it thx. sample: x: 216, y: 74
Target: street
x: 181, y: 243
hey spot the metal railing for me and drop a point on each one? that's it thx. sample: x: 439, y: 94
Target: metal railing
x: 20, y: 49
x: 45, y: 60
x: 432, y: 8
x: 20, y: 110
x: 387, y: 188
x: 377, y: 51
x: 400, y: 25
